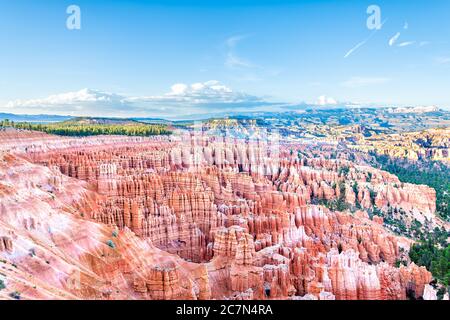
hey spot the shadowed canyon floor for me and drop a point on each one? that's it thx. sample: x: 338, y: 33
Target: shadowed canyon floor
x: 200, y: 217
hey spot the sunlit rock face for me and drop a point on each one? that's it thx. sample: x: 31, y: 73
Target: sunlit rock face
x: 431, y: 144
x: 197, y: 218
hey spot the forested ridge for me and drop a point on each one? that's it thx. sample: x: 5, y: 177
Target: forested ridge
x: 90, y: 127
x: 432, y: 249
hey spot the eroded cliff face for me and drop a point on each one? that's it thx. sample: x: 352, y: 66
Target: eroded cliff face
x: 197, y: 218
x: 431, y: 144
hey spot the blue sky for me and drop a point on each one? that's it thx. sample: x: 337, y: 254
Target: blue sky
x: 128, y: 56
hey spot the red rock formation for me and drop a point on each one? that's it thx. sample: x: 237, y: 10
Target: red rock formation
x: 201, y: 218
x: 6, y: 244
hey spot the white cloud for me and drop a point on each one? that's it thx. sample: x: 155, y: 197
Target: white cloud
x: 406, y: 43
x: 197, y: 93
x: 82, y: 96
x: 357, y: 82
x: 324, y: 101
x: 182, y: 99
x: 71, y: 102
x: 178, y: 88
x: 394, y: 39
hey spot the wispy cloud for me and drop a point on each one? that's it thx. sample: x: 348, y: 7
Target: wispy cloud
x: 357, y: 82
x: 231, y: 42
x: 356, y: 47
x: 362, y: 43
x: 406, y: 43
x: 233, y: 60
x: 243, y: 69
x: 394, y: 39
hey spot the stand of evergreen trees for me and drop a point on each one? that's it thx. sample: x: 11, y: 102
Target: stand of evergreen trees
x: 433, y: 250
x: 74, y: 128
x: 435, y: 258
